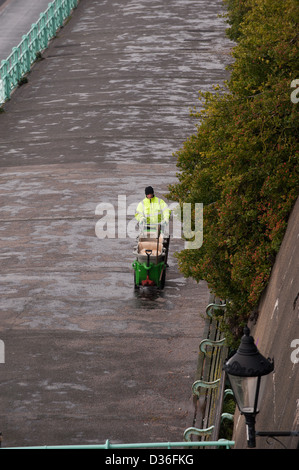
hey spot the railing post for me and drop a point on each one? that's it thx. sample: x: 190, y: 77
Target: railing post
x: 5, y: 80
x: 15, y: 66
x: 2, y: 92
x: 42, y: 31
x: 55, y: 15
x: 68, y: 8
x: 25, y: 54
x: 51, y: 22
x: 34, y: 42
x: 59, y: 13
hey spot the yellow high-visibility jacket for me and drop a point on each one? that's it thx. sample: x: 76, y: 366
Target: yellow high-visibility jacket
x: 154, y: 210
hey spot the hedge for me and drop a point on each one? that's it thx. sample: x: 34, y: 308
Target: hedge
x: 242, y: 161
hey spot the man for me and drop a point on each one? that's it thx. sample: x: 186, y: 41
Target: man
x: 152, y: 210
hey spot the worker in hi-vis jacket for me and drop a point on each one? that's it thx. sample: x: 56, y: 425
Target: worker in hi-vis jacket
x: 152, y: 210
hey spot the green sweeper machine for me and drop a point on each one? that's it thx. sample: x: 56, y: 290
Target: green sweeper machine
x: 151, y: 257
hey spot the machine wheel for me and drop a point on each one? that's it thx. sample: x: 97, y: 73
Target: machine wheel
x: 135, y: 285
x: 163, y: 278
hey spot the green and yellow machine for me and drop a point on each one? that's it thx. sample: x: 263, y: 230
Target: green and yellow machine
x: 151, y: 257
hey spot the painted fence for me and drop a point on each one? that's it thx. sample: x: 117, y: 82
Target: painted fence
x: 19, y: 62
x: 221, y: 443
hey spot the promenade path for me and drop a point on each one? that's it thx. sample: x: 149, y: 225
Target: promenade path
x: 86, y: 357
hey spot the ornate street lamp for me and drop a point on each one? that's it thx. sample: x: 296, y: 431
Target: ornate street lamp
x: 247, y: 371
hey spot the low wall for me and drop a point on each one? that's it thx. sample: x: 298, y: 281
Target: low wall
x: 277, y: 335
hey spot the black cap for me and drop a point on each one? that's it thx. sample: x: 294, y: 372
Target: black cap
x: 149, y: 190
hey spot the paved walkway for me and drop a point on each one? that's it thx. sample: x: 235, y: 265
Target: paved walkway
x: 86, y: 358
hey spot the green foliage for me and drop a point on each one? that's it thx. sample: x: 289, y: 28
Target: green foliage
x: 236, y: 10
x: 227, y: 426
x: 242, y: 162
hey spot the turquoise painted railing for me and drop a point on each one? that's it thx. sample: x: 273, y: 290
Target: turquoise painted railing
x: 149, y: 445
x: 19, y: 62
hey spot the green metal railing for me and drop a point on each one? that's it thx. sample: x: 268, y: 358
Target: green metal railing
x: 149, y: 445
x: 19, y: 62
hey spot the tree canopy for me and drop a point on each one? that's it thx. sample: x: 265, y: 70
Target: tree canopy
x: 242, y: 161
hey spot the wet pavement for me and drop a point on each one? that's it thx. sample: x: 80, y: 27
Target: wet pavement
x: 88, y: 358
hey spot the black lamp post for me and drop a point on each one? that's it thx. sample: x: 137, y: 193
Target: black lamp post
x: 247, y: 371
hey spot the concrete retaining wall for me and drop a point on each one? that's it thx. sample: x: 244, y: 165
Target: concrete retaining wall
x: 275, y: 333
